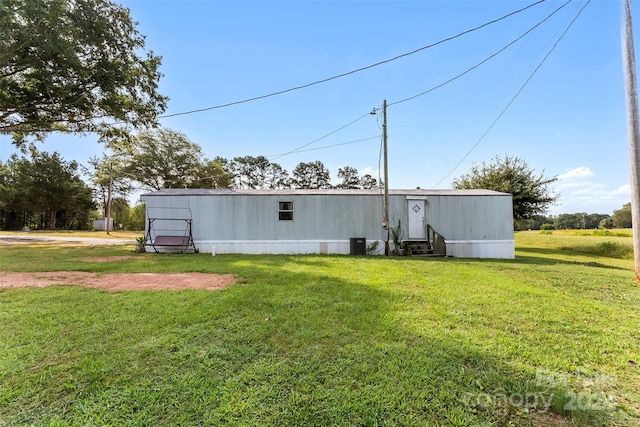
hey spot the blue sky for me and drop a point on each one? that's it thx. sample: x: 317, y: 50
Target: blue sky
x: 568, y: 121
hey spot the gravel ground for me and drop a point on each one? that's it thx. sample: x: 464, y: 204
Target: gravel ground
x: 86, y: 240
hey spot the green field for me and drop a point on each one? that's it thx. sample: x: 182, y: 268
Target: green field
x: 550, y: 338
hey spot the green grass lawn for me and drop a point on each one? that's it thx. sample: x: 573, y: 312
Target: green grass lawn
x: 329, y: 340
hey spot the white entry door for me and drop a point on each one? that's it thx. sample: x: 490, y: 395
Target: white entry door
x: 417, y: 212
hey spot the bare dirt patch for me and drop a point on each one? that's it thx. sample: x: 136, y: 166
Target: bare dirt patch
x: 19, y: 241
x: 109, y: 258
x: 550, y: 420
x: 118, y: 281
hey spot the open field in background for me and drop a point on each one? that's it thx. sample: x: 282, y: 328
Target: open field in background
x: 329, y: 340
x: 613, y: 247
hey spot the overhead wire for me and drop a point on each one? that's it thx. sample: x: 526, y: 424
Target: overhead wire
x: 331, y: 146
x: 295, y: 150
x: 337, y: 76
x: 543, y: 48
x: 326, y: 79
x: 299, y: 149
x: 504, y: 110
x: 373, y: 112
x: 521, y: 49
x: 468, y: 70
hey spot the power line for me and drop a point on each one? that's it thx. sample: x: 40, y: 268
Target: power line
x: 343, y: 75
x: 543, y: 48
x: 504, y: 110
x: 468, y: 70
x: 329, y: 146
x: 373, y: 112
x: 277, y: 156
x: 229, y: 104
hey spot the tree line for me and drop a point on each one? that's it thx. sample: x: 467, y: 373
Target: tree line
x: 532, y: 197
x: 42, y: 190
x: 164, y: 158
x: 621, y: 218
x: 83, y: 67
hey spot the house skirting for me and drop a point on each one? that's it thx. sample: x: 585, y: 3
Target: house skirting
x: 286, y: 247
x: 481, y: 248
x: 455, y: 248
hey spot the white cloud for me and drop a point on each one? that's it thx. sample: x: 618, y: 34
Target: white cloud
x: 580, y: 192
x: 368, y: 170
x: 623, y: 190
x: 561, y: 186
x: 577, y: 173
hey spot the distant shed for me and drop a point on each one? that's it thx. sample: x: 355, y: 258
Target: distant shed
x: 471, y: 223
x: 100, y: 224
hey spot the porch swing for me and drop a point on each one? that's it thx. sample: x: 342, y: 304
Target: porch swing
x: 170, y: 230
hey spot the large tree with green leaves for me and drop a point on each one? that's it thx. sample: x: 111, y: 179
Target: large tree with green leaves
x: 311, y: 175
x: 580, y: 220
x: 258, y: 172
x: 8, y: 215
x: 137, y: 216
x: 45, y: 185
x: 531, y: 193
x: 74, y: 66
x: 621, y: 218
x: 214, y: 174
x: 349, y: 178
x: 163, y: 158
x: 160, y: 158
x: 105, y: 172
x: 368, y: 182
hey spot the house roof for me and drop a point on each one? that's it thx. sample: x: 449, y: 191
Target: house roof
x: 332, y: 191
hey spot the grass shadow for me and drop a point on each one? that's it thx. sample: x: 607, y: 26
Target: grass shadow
x: 305, y: 341
x: 542, y: 256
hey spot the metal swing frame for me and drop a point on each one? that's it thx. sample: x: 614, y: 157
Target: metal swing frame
x: 166, y: 237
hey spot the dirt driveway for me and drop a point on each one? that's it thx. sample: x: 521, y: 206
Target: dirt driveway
x: 111, y: 282
x: 34, y: 238
x: 118, y: 281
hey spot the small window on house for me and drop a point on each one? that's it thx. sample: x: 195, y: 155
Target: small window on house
x: 285, y: 211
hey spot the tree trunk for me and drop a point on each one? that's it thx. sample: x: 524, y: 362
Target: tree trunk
x: 52, y: 218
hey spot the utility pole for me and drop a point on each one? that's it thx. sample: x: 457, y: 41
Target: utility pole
x: 386, y: 177
x: 633, y: 130
x: 108, y: 215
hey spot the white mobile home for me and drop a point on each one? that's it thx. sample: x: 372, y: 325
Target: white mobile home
x: 459, y: 223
